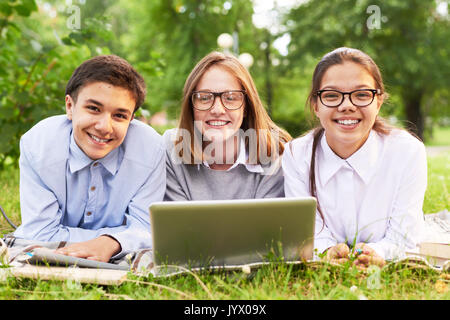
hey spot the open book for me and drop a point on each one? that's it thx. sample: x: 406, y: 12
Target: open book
x: 435, y: 253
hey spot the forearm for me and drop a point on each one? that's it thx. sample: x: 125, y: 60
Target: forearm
x: 51, y: 230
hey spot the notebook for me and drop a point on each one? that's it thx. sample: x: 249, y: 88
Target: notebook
x: 232, y: 233
x: 44, y: 256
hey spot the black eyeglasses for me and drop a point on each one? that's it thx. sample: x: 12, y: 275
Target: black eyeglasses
x: 231, y: 99
x: 359, y: 98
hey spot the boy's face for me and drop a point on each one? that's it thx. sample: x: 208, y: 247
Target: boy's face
x: 100, y: 117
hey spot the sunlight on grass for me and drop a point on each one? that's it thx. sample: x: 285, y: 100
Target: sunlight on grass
x: 437, y: 196
x: 9, y: 198
x: 441, y: 137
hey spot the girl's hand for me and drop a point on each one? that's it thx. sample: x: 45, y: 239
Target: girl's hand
x: 367, y: 256
x: 338, y: 253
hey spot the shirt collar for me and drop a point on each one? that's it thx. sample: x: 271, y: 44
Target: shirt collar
x: 78, y: 160
x: 362, y: 161
x: 328, y: 163
x: 242, y: 158
x: 111, y: 161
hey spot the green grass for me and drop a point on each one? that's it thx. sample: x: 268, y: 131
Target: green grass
x: 9, y: 198
x: 270, y: 282
x: 437, y: 196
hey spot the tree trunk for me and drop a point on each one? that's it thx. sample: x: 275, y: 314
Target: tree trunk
x: 413, y: 111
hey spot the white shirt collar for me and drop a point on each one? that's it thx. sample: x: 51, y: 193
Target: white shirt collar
x: 363, y: 161
x: 241, y: 159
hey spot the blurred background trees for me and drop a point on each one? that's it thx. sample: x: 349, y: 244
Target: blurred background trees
x: 43, y: 41
x: 409, y: 42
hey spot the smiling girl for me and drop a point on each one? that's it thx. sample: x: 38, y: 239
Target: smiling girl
x: 369, y: 178
x: 226, y: 146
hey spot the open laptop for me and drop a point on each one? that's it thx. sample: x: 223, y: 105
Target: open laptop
x: 232, y: 233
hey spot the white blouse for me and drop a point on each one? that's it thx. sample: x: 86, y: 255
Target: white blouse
x: 374, y: 196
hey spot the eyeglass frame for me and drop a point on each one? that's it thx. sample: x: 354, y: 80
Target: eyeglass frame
x: 374, y: 92
x: 218, y: 94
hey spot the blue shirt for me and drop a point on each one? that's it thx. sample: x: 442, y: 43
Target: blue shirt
x: 66, y: 196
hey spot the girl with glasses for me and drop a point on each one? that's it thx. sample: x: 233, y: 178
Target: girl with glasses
x: 368, y: 177
x: 225, y: 145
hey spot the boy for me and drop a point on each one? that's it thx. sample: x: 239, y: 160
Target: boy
x: 89, y: 177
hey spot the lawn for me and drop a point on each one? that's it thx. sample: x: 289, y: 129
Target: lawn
x: 273, y: 282
x: 441, y: 137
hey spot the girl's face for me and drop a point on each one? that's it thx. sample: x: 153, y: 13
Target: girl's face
x: 218, y: 123
x: 347, y: 127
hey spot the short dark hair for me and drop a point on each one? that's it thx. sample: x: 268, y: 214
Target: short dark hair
x: 110, y: 69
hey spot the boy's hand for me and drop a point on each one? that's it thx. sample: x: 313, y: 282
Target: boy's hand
x: 99, y: 249
x: 367, y: 256
x: 338, y: 253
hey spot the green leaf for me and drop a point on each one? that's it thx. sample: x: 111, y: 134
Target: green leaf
x: 23, y: 97
x: 6, y: 9
x: 68, y: 41
x: 7, y: 112
x: 26, y: 7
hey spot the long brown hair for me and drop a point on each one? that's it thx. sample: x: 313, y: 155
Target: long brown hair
x: 255, y: 116
x: 339, y: 56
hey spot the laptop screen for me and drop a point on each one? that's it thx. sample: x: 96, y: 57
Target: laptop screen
x: 201, y: 234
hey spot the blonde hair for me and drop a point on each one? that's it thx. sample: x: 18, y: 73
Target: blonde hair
x: 255, y: 116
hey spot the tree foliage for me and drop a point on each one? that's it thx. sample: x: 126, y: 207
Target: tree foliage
x: 164, y: 39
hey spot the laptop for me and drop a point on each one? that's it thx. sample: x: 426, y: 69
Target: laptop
x: 232, y: 233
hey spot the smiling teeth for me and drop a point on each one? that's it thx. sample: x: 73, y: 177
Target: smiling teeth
x: 98, y: 139
x: 348, y: 122
x: 217, y: 123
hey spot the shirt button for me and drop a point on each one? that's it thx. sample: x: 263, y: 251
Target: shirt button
x: 92, y: 188
x: 95, y: 164
x: 88, y: 213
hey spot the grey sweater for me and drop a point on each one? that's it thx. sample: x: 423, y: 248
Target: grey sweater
x: 198, y: 182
